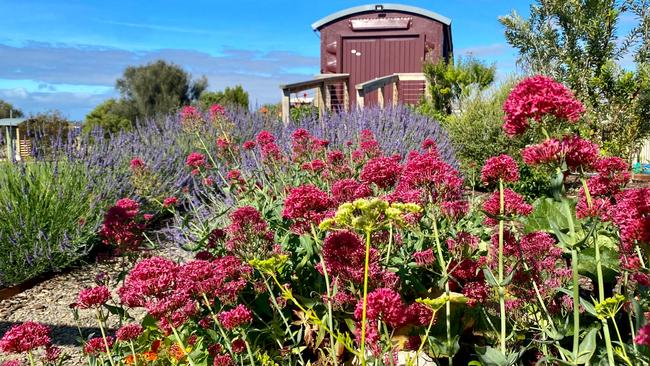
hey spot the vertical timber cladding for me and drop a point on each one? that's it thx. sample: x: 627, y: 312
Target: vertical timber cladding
x: 377, y: 40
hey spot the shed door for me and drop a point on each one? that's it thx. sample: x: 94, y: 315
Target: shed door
x: 368, y: 58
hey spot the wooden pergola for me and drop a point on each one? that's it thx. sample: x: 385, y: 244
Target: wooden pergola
x: 12, y: 137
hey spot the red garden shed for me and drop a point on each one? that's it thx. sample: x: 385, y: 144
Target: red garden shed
x: 370, y: 48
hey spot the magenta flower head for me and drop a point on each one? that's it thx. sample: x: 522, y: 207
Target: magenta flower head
x: 547, y: 152
x: 137, y: 163
x: 500, y: 167
x: 217, y: 110
x: 382, y: 171
x: 170, y: 201
x: 514, y: 204
x: 96, y: 345
x: 222, y: 360
x: 12, y: 363
x: 236, y: 317
x: 93, y: 297
x: 643, y: 337
x: 25, y: 337
x: 195, y: 160
x: 536, y: 97
x: 189, y: 112
x: 129, y: 332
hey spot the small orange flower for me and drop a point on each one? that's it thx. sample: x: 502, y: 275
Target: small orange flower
x: 150, y: 356
x: 129, y: 360
x: 176, y: 352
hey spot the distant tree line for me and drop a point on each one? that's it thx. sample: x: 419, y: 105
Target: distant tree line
x: 154, y: 90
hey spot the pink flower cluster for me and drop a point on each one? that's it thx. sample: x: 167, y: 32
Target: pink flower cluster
x: 190, y: 113
x: 502, y: 167
x: 249, y: 234
x: 304, y: 145
x: 96, y: 346
x: 217, y: 110
x: 195, y: 160
x: 514, y: 205
x: 307, y: 205
x: 536, y: 97
x: 25, y: 337
x: 382, y: 171
x: 348, y: 190
x: 643, y: 337
x: 121, y: 227
x: 270, y: 150
x: 129, y: 332
x: 237, y: 317
x: 344, y: 254
x: 93, y: 297
x: 137, y: 164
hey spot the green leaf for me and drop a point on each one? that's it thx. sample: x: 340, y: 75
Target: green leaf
x: 491, y: 356
x: 489, y: 277
x: 587, y: 347
x: 556, y: 217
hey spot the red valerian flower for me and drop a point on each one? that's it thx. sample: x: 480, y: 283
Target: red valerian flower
x: 236, y: 317
x: 344, y: 254
x: 382, y: 171
x: 631, y: 214
x: 93, y: 297
x: 170, y: 201
x: 12, y: 363
x: 248, y: 233
x: 120, y: 226
x: 152, y: 277
x: 306, y: 205
x: 540, y: 252
x: 137, y: 164
x: 25, y: 337
x: 424, y: 258
x: 238, y: 345
x: 129, y: 332
x: 514, y: 205
x: 430, y: 146
x: 430, y: 178
x: 190, y: 112
x: 348, y: 190
x: 368, y: 146
x: 96, y: 345
x: 579, y: 154
x: 195, y: 160
x: 500, y: 167
x: 52, y: 353
x: 548, y: 152
x: 536, y: 97
x: 248, y: 145
x: 643, y: 337
x: 217, y: 110
x: 464, y: 242
x: 265, y: 138
x: 383, y: 304
x: 222, y: 360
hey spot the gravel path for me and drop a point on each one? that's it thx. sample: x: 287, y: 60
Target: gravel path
x: 49, y: 303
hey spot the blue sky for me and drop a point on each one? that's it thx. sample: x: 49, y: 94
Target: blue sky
x: 66, y: 55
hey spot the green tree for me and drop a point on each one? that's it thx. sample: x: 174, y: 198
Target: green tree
x: 7, y: 110
x: 235, y: 96
x: 577, y: 43
x: 452, y: 81
x: 158, y: 88
x: 111, y: 116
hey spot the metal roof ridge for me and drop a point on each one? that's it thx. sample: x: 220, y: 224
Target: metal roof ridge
x: 373, y: 7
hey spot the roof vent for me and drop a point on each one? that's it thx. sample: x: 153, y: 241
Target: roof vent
x: 379, y: 7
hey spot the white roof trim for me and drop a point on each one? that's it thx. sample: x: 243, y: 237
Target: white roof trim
x: 372, y: 7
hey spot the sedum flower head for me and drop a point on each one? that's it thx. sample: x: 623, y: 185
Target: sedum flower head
x: 369, y: 215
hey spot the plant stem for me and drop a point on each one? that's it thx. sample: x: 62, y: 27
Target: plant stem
x: 426, y: 335
x: 248, y: 350
x: 601, y: 282
x: 216, y: 322
x: 576, y: 303
x: 443, y: 266
x: 390, y: 242
x: 365, y: 301
x: 101, y: 328
x: 31, y: 358
x: 502, y: 300
x: 330, y: 320
x: 180, y: 344
x: 135, y: 357
x: 618, y: 333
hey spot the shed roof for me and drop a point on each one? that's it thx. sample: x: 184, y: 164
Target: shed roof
x: 11, y: 122
x: 379, y: 7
